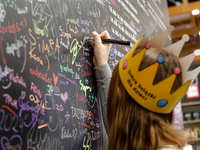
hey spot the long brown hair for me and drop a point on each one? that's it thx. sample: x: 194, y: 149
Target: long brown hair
x: 133, y: 127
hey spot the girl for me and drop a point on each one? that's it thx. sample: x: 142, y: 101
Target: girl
x: 129, y: 125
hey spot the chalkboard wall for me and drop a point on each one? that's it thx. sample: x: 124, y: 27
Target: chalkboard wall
x: 48, y: 97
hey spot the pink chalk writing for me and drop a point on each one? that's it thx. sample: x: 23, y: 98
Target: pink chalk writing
x: 35, y: 90
x: 9, y: 100
x: 17, y: 79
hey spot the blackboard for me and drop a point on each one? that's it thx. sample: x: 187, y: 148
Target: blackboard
x: 48, y: 97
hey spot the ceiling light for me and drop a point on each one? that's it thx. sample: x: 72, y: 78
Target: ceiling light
x: 178, y: 3
x: 195, y: 12
x: 199, y: 32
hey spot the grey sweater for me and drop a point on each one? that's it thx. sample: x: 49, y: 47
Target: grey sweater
x: 103, y: 75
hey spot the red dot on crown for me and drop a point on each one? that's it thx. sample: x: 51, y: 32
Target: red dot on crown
x: 147, y: 45
x: 125, y: 65
x: 176, y: 70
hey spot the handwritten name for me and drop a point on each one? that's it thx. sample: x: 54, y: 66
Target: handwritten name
x: 36, y: 140
x: 9, y: 100
x: 13, y: 28
x: 86, y: 61
x: 6, y: 71
x: 80, y: 97
x: 85, y: 88
x: 79, y: 113
x: 40, y: 75
x: 66, y: 69
x: 67, y: 134
x: 38, y: 31
x: 22, y: 11
x: 64, y: 34
x: 37, y: 101
x: 95, y: 14
x: 64, y: 76
x: 35, y: 90
x: 37, y: 58
x: 17, y: 79
x: 72, y: 21
x: 25, y: 107
x: 87, y: 73
x: 12, y: 147
x: 14, y: 47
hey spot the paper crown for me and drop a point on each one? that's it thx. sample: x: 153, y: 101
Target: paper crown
x: 139, y: 84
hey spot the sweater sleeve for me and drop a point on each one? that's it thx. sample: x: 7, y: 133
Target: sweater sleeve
x: 103, y: 75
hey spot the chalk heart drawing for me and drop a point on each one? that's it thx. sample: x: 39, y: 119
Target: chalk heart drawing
x: 23, y: 94
x: 14, y: 137
x: 55, y: 79
x: 64, y: 97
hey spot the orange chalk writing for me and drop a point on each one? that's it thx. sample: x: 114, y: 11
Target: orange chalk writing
x: 13, y: 27
x: 40, y: 75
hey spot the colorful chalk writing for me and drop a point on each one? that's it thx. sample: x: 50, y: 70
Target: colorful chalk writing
x: 17, y: 79
x: 37, y: 101
x: 2, y: 13
x: 9, y: 100
x: 36, y: 90
x: 67, y: 69
x: 13, y: 27
x: 85, y: 88
x: 75, y: 48
x: 38, y: 31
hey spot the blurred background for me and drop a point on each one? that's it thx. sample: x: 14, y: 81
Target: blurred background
x: 184, y: 16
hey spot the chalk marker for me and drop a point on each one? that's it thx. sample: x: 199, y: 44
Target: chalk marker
x: 114, y: 41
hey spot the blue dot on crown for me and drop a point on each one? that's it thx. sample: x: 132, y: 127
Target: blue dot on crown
x: 160, y: 60
x: 145, y: 33
x: 162, y: 103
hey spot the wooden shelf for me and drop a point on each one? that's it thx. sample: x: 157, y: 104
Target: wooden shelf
x: 191, y: 121
x: 194, y: 141
x: 190, y: 103
x: 186, y: 8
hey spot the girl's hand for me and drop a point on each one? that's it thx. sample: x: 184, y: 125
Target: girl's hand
x: 101, y: 50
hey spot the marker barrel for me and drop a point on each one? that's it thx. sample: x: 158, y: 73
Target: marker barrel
x: 113, y: 41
